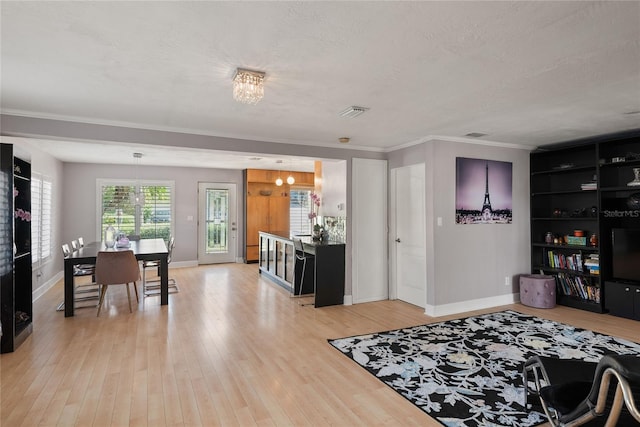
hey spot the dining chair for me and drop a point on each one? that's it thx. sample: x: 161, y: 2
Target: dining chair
x: 84, y: 291
x: 115, y: 268
x: 151, y: 287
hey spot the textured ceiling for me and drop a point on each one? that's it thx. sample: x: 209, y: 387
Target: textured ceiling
x: 528, y: 73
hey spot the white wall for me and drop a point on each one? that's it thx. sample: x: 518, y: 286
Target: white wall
x: 369, y: 230
x: 334, y: 188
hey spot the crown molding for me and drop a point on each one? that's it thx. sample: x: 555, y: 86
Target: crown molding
x: 464, y: 140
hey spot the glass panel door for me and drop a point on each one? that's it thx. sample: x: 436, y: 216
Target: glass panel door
x: 217, y: 223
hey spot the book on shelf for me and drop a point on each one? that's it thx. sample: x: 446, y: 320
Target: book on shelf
x: 565, y: 262
x: 576, y: 286
x: 589, y: 186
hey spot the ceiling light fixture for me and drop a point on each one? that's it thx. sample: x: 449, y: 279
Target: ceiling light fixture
x: 137, y: 197
x: 279, y: 180
x: 248, y: 86
x: 290, y: 179
x: 352, y: 112
x: 344, y: 139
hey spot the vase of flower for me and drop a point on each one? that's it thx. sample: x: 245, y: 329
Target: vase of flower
x: 110, y: 237
x: 313, y: 216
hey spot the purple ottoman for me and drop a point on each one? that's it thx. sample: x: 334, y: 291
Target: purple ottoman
x: 537, y: 290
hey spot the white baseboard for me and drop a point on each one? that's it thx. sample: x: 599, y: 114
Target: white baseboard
x: 183, y: 264
x: 464, y: 306
x: 37, y: 293
x: 348, y: 300
x: 194, y: 263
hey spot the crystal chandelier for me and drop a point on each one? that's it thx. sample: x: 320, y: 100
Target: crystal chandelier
x: 248, y: 86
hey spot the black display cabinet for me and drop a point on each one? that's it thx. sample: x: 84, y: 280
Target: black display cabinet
x: 580, y: 192
x: 16, y: 312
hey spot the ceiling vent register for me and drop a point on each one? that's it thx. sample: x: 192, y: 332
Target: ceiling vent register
x: 352, y: 112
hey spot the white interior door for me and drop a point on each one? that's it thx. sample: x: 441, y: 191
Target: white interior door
x: 409, y: 252
x: 217, y: 223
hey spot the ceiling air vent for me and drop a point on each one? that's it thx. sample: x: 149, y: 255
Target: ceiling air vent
x: 352, y: 112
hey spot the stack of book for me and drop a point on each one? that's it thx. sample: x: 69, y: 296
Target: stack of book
x: 589, y: 186
x: 592, y: 263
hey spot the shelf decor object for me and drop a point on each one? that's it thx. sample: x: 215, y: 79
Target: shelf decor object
x: 636, y: 179
x: 633, y: 201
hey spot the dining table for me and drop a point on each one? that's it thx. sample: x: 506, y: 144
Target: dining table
x: 143, y: 249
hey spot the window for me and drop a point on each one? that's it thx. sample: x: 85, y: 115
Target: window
x: 299, y: 209
x: 41, y: 191
x: 151, y: 218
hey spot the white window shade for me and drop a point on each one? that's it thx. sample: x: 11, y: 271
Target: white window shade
x: 151, y: 218
x: 299, y: 209
x: 41, y: 218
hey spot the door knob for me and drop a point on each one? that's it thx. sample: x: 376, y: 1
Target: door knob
x: 398, y: 240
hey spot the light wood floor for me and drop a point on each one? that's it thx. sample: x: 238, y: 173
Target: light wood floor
x: 230, y: 349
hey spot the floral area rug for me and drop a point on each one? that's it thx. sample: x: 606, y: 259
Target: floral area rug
x: 467, y: 372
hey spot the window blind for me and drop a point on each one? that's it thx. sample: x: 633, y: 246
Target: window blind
x: 299, y: 209
x: 41, y: 218
x: 152, y: 218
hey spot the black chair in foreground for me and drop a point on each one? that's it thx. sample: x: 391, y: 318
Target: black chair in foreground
x: 576, y: 393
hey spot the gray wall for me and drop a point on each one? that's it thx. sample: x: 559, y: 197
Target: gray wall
x: 469, y: 262
x: 46, y: 165
x: 464, y: 263
x: 80, y: 193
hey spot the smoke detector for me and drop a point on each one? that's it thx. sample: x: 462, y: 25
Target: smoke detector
x: 352, y: 112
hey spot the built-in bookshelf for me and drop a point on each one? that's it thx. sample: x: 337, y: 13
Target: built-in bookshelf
x: 575, y: 187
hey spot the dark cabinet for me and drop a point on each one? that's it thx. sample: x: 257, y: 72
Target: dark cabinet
x: 579, y: 192
x: 15, y: 250
x: 564, y: 216
x: 623, y: 300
